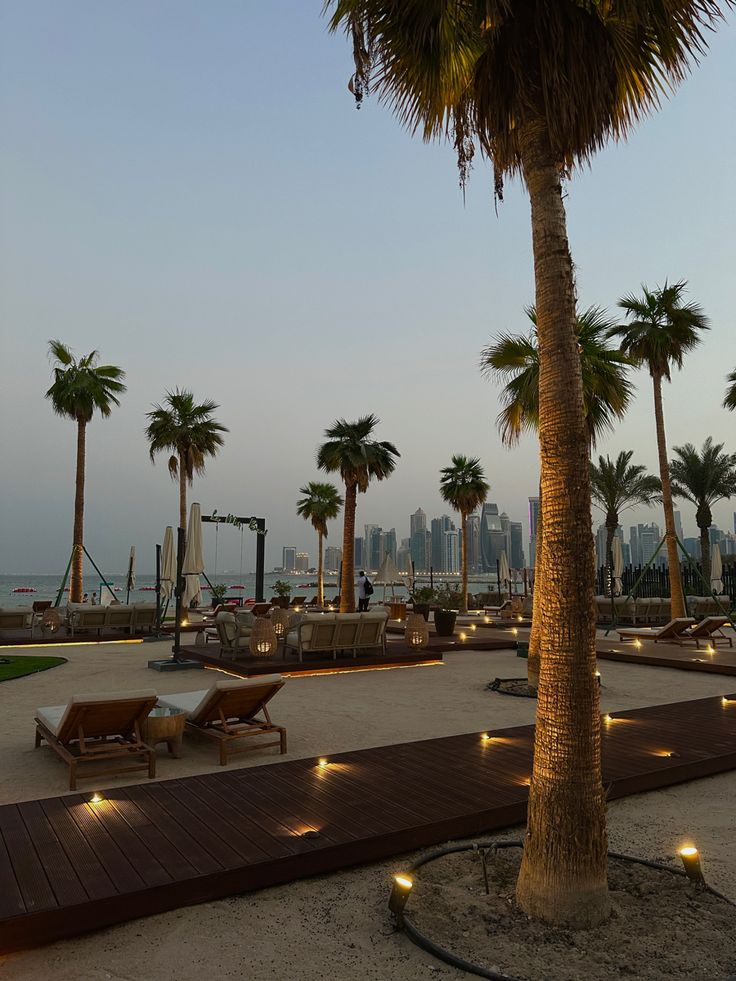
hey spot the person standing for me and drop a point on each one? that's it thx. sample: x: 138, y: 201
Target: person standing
x: 363, y: 594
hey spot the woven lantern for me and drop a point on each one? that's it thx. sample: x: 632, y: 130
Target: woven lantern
x: 417, y: 632
x: 263, y: 640
x: 280, y: 622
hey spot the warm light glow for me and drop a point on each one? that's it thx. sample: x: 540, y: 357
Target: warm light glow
x: 691, y: 864
x: 727, y: 701
x: 486, y: 738
x: 637, y: 644
x: 709, y: 650
x: 404, y: 881
x: 322, y: 763
x: 70, y: 643
x: 473, y: 626
x: 463, y: 636
x: 487, y: 619
x: 399, y: 894
x: 185, y: 623
x: 688, y: 851
x: 607, y: 718
x: 520, y: 619
x: 514, y: 631
x: 96, y: 798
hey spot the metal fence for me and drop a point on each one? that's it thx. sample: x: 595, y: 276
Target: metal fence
x: 656, y: 580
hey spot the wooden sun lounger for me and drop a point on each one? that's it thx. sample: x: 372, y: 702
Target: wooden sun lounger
x: 229, y: 712
x: 671, y: 631
x: 90, y: 728
x: 710, y: 630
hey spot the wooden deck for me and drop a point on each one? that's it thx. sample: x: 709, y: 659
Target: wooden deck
x: 398, y: 655
x: 68, y: 866
x: 685, y: 658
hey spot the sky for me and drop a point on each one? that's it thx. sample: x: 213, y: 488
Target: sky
x: 189, y: 189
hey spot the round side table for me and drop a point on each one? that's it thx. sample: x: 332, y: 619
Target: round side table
x: 165, y: 725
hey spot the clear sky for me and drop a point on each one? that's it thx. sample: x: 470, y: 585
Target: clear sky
x: 188, y: 187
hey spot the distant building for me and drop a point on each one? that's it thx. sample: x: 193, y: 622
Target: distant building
x: 533, y: 522
x: 438, y: 527
x: 692, y: 547
x: 450, y: 552
x: 516, y: 540
x: 490, y: 523
x: 389, y: 545
x: 403, y: 559
x: 420, y: 555
x: 302, y: 562
x: 635, y: 548
x: 288, y: 560
x: 678, y: 525
x: 358, y: 557
x: 649, y: 539
x: 333, y: 558
x: 373, y: 547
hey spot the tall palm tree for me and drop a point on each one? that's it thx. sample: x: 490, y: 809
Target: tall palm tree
x: 703, y: 478
x: 540, y: 87
x: 464, y: 486
x: 350, y: 451
x: 659, y: 331
x: 321, y: 503
x: 729, y: 401
x: 618, y: 485
x: 190, y: 433
x: 81, y: 387
x: 607, y: 393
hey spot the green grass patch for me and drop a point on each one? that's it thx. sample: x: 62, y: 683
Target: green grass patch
x: 19, y: 667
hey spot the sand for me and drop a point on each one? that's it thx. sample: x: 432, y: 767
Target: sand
x: 333, y: 926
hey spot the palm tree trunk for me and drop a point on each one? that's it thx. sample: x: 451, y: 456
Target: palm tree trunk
x: 705, y: 559
x: 464, y: 562
x: 610, y: 532
x: 347, y: 582
x: 532, y: 664
x: 76, y: 584
x: 677, y: 600
x: 182, y: 494
x: 563, y: 871
x: 320, y: 572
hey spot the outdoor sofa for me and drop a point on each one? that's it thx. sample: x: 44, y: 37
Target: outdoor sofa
x: 328, y: 633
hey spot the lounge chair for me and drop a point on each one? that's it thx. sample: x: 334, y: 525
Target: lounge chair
x: 229, y: 712
x: 298, y: 601
x: 99, y: 727
x: 670, y: 632
x: 234, y: 633
x: 709, y: 630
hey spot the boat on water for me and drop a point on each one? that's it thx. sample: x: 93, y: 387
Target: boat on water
x: 236, y: 585
x: 145, y: 589
x: 24, y: 589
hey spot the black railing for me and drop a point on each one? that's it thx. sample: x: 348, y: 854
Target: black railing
x: 656, y: 580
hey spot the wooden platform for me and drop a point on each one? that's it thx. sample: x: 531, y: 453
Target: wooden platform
x: 68, y: 866
x: 686, y: 658
x: 398, y: 655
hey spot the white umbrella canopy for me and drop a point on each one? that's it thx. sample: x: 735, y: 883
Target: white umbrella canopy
x: 193, y: 558
x: 716, y: 569
x: 618, y: 566
x: 388, y: 575
x: 504, y: 571
x: 168, y: 564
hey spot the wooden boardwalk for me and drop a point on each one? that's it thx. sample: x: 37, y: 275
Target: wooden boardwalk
x: 685, y: 658
x: 68, y: 866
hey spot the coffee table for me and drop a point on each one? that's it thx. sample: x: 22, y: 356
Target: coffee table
x: 165, y: 725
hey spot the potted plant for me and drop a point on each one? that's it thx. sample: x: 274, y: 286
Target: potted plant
x: 283, y: 591
x: 445, y: 612
x: 218, y: 594
x: 422, y: 599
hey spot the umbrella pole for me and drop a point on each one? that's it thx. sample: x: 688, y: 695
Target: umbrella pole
x: 260, y: 558
x: 84, y: 549
x: 158, y: 588
x: 178, y: 591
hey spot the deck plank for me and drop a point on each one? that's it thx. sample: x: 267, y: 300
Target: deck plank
x: 162, y: 845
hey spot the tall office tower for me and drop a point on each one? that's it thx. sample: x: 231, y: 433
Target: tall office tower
x: 506, y: 529
x: 472, y: 545
x: 358, y: 553
x: 625, y: 551
x: 368, y: 538
x: 438, y: 527
x: 634, y: 546
x: 418, y: 529
x: 678, y: 525
x: 516, y: 537
x: 389, y: 545
x: 600, y: 546
x: 734, y: 522
x: 497, y: 542
x: 728, y: 544
x: 450, y: 552
x: 333, y: 558
x: 403, y: 558
x: 533, y: 522
x: 692, y: 547
x: 490, y: 521
x: 302, y: 562
x: 715, y: 534
x: 374, y: 547
x: 288, y: 560
x: 649, y: 539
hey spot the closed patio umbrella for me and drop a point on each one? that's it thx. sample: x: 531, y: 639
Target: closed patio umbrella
x: 193, y: 558
x: 504, y: 573
x: 716, y: 569
x: 618, y: 566
x: 130, y: 578
x: 168, y: 564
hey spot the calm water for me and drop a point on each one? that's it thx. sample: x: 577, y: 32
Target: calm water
x: 46, y: 587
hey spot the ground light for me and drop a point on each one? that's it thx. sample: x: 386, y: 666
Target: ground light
x: 691, y: 861
x: 400, y: 892
x: 322, y: 763
x: 96, y: 798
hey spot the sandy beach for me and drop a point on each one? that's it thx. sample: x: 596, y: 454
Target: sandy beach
x: 334, y: 926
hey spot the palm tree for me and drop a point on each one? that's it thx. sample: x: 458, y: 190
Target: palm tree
x: 729, y: 401
x: 187, y: 431
x: 617, y: 486
x: 350, y: 451
x: 659, y: 332
x: 540, y: 87
x: 81, y: 387
x: 703, y: 479
x: 607, y: 393
x: 464, y: 487
x: 320, y: 504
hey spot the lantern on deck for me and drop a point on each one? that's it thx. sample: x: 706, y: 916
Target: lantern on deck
x: 263, y: 640
x: 417, y: 632
x: 280, y: 622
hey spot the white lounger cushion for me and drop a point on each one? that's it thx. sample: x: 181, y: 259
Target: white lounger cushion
x: 52, y: 716
x: 192, y: 702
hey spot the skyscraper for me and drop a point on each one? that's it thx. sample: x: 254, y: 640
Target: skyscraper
x: 450, y: 552
x: 533, y: 522
x: 649, y: 539
x: 438, y: 527
x: 472, y: 545
x: 288, y: 560
x: 358, y: 550
x: 634, y: 545
x: 302, y: 562
x: 678, y: 525
x: 490, y: 521
x: 418, y: 530
x: 389, y: 545
x: 374, y: 547
x: 516, y: 539
x: 333, y: 558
